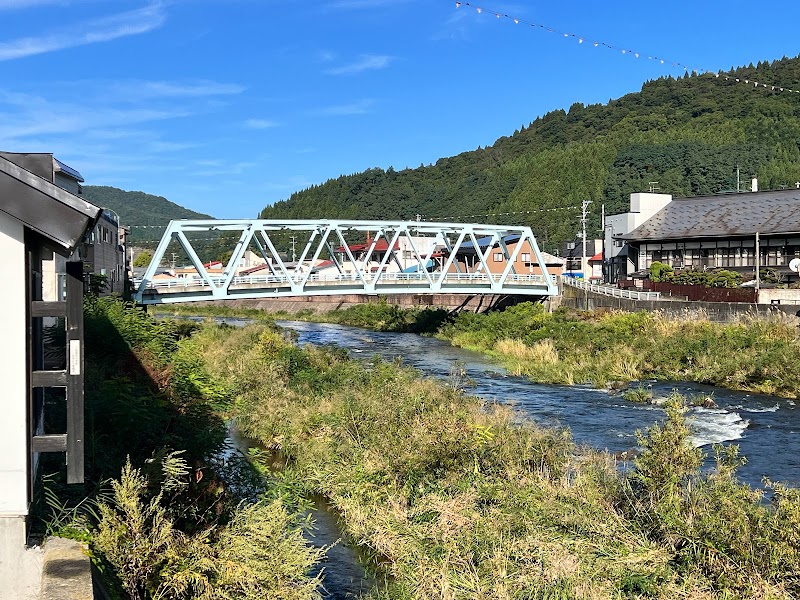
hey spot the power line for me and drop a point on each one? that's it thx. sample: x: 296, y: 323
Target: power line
x: 728, y: 76
x: 504, y: 214
x: 436, y: 218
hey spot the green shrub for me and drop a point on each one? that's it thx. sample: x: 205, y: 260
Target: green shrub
x: 259, y: 553
x: 639, y: 394
x: 660, y: 272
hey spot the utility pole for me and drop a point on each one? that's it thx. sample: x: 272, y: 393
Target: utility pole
x: 174, y: 258
x: 294, y: 243
x: 758, y: 264
x: 584, y: 215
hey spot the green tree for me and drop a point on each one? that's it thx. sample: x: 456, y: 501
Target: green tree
x: 143, y: 258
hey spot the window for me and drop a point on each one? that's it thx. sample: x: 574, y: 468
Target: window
x: 525, y: 257
x: 498, y: 257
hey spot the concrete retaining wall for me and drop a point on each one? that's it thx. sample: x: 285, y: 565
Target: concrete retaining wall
x: 472, y: 303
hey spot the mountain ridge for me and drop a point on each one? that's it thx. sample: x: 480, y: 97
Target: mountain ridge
x: 144, y: 213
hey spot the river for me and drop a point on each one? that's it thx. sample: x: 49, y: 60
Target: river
x: 766, y: 428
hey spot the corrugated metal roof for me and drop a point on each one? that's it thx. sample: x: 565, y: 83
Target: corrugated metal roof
x: 730, y: 215
x: 68, y: 170
x: 42, y: 206
x: 484, y: 242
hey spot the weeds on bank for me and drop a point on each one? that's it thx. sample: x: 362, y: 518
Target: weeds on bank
x: 161, y: 522
x: 755, y: 354
x: 260, y: 553
x: 451, y: 498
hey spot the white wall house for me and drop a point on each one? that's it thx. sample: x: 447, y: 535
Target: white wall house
x: 37, y: 218
x: 618, y: 264
x: 403, y: 256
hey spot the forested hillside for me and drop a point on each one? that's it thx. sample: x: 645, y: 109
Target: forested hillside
x: 145, y: 214
x: 138, y: 208
x: 688, y: 134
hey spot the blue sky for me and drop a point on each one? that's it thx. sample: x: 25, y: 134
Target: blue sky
x: 225, y: 106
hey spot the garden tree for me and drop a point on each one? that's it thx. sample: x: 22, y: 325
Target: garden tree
x: 689, y: 134
x: 143, y: 259
x: 722, y: 278
x: 660, y: 272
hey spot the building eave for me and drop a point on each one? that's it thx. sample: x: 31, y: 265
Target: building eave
x: 60, y: 217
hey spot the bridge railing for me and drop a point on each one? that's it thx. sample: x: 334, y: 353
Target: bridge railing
x: 272, y: 280
x: 610, y: 290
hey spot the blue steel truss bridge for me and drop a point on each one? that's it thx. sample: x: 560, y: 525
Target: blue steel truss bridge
x: 274, y: 259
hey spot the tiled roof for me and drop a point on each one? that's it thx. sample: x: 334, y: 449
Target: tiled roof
x: 486, y: 241
x: 727, y: 215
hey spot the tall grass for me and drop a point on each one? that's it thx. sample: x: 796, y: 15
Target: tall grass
x: 451, y: 498
x: 756, y: 354
x: 172, y: 526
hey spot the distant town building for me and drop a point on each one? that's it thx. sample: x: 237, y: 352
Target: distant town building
x: 525, y: 263
x: 103, y: 252
x: 621, y: 258
x: 572, y: 252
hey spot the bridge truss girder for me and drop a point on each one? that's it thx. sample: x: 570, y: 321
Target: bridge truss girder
x: 368, y: 271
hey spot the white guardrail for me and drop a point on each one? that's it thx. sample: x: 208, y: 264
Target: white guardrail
x: 610, y: 290
x: 387, y: 278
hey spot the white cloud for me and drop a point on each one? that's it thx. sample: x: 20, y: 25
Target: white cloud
x: 366, y: 62
x: 259, y: 124
x: 168, y: 89
x: 104, y: 29
x: 23, y: 116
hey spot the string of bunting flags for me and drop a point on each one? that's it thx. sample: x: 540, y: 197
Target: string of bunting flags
x: 598, y: 44
x: 499, y: 214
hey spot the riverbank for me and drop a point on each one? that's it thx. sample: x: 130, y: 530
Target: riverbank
x: 164, y: 515
x: 571, y: 347
x: 451, y: 498
x: 756, y: 354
